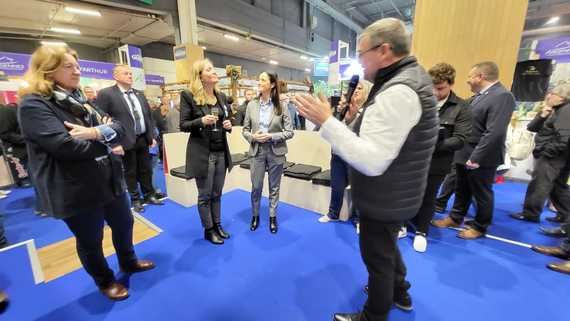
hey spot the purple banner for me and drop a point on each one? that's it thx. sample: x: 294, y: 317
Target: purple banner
x: 154, y: 80
x: 96, y: 69
x: 135, y: 57
x: 333, y: 54
x: 14, y: 64
x: 554, y: 48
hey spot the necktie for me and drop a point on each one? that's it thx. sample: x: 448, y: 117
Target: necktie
x: 476, y: 98
x: 136, y: 115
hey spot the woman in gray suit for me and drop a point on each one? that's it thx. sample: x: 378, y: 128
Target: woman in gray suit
x: 266, y: 127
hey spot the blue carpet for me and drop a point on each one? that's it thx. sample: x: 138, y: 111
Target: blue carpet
x: 509, y: 198
x: 16, y: 278
x: 305, y: 272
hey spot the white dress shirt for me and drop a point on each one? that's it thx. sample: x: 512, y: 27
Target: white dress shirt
x: 385, y: 128
x: 137, y: 106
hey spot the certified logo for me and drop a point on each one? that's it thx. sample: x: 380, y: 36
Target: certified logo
x: 10, y: 64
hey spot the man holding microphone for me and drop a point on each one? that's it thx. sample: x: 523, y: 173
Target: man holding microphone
x: 389, y: 152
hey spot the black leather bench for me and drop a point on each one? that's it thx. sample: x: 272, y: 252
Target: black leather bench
x: 302, y: 171
x: 322, y: 178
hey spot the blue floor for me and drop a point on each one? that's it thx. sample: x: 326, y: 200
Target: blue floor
x: 304, y: 273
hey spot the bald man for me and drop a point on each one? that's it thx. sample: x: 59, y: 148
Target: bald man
x: 130, y: 107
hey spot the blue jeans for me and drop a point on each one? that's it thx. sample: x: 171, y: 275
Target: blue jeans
x: 339, y: 181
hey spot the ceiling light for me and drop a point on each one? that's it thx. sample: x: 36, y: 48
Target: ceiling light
x: 204, y: 47
x: 304, y: 57
x: 307, y: 70
x: 552, y: 20
x: 85, y: 12
x: 273, y: 62
x: 53, y: 43
x: 65, y: 30
x: 326, y: 57
x: 231, y: 37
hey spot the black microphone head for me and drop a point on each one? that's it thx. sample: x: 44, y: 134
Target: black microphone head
x: 354, y: 81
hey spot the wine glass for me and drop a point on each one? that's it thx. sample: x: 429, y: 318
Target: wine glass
x: 215, y: 112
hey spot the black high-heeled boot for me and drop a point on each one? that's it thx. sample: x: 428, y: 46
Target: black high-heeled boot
x: 212, y: 236
x: 273, y: 224
x: 220, y: 230
x: 254, y: 223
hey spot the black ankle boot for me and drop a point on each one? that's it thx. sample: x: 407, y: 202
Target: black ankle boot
x: 212, y: 236
x: 220, y: 230
x: 273, y: 224
x: 254, y: 223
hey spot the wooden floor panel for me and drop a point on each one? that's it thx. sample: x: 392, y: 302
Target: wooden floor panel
x: 61, y: 258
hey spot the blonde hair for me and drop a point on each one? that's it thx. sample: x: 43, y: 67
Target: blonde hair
x: 366, y: 87
x: 45, y: 61
x: 196, y: 86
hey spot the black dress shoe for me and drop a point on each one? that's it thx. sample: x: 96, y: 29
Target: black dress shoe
x: 273, y: 224
x: 116, y: 291
x: 139, y: 266
x: 4, y: 301
x: 137, y: 206
x: 212, y: 236
x: 556, y: 219
x: 525, y: 217
x: 220, y: 230
x: 366, y: 289
x: 153, y: 200
x: 346, y: 317
x: 159, y: 195
x: 552, y: 251
x: 555, y: 231
x: 254, y: 223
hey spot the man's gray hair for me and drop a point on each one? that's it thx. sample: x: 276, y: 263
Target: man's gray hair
x: 488, y: 69
x: 562, y: 90
x: 392, y: 31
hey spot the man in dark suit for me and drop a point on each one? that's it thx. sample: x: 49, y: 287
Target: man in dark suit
x: 130, y: 107
x: 476, y: 164
x: 240, y: 113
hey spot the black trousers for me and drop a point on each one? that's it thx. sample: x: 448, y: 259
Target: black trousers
x: 474, y: 184
x: 425, y: 213
x: 386, y: 269
x: 210, y: 190
x: 549, y: 179
x: 447, y: 189
x: 88, y: 230
x: 138, y: 169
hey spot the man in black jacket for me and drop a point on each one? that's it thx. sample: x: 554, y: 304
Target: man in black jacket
x: 550, y: 174
x: 240, y: 113
x: 130, y: 107
x: 454, y: 128
x: 476, y: 164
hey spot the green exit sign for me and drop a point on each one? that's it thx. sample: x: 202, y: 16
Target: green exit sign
x: 146, y: 1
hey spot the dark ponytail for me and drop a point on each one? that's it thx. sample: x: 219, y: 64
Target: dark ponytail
x: 274, y: 80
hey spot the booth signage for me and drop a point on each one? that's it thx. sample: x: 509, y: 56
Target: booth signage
x: 14, y: 64
x: 554, y: 48
x: 154, y: 80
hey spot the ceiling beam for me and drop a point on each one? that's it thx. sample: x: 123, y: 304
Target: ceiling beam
x: 358, y: 15
x: 335, y: 14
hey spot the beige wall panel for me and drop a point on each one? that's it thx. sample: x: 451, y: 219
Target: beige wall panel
x: 465, y: 32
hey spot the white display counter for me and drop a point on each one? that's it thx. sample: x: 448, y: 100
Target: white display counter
x: 305, y: 147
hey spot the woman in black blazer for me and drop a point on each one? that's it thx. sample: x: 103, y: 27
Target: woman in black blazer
x: 74, y: 161
x: 203, y: 113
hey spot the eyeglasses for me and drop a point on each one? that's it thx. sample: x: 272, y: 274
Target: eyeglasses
x: 361, y: 53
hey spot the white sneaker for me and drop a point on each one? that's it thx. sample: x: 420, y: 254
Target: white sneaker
x: 357, y: 228
x: 420, y: 243
x: 3, y: 196
x: 326, y: 219
x: 403, y: 232
x: 5, y: 192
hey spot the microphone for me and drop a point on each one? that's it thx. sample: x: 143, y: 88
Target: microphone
x: 351, y: 88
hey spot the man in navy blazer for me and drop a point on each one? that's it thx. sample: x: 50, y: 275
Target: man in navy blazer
x: 476, y: 164
x: 130, y: 107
